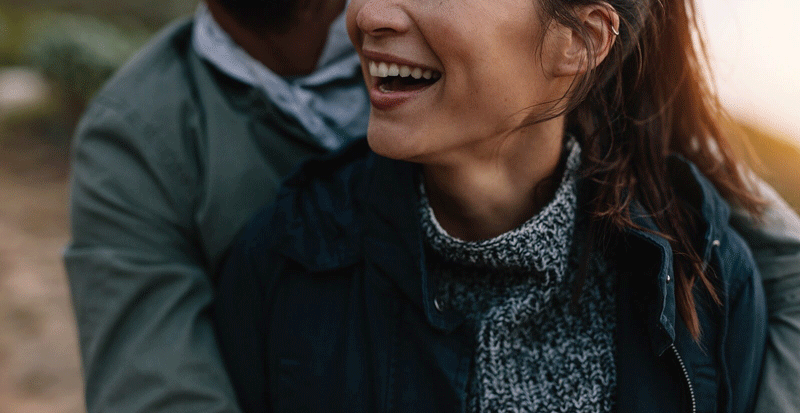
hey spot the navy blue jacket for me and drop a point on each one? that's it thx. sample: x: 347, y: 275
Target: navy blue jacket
x: 325, y: 304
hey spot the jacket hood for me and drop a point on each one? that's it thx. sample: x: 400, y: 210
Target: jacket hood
x: 320, y: 204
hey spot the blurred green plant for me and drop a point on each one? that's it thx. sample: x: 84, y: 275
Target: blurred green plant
x: 76, y: 53
x: 80, y: 52
x: 13, y: 24
x: 150, y: 13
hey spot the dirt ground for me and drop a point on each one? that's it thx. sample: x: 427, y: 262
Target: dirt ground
x: 39, y: 362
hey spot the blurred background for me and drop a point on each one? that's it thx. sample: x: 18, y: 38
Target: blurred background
x: 54, y: 54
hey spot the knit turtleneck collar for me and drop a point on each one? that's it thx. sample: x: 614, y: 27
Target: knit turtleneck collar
x: 541, y: 244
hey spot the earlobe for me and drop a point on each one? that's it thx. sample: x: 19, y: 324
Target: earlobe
x: 578, y: 54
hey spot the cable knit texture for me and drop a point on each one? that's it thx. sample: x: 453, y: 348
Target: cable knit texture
x: 534, y: 352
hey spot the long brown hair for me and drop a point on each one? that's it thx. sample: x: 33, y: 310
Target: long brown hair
x: 650, y: 97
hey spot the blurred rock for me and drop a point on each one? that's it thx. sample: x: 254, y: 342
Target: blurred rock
x: 22, y: 89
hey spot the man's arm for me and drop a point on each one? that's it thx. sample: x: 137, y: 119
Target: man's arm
x: 775, y: 243
x: 140, y: 291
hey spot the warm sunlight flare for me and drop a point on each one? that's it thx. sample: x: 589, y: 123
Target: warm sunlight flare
x: 756, y: 56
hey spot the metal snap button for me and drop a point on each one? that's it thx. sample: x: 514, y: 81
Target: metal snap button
x: 438, y: 305
x: 669, y: 279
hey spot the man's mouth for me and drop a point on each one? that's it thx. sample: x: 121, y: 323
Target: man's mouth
x: 392, y: 77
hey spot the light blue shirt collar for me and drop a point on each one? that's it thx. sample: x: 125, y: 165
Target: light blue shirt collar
x: 331, y: 103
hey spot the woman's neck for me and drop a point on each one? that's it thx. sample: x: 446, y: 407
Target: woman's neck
x: 476, y: 197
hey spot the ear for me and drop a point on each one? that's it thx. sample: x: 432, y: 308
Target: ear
x: 572, y: 54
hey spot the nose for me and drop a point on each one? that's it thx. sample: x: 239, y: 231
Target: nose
x: 382, y: 17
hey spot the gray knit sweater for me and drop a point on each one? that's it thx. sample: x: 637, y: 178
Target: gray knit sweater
x: 534, y: 352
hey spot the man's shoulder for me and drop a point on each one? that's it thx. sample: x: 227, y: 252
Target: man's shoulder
x: 159, y: 72
x: 141, y: 116
x: 153, y: 99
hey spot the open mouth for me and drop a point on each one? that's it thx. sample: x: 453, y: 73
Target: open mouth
x: 392, y: 77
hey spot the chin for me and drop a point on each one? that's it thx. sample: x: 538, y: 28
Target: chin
x: 392, y: 143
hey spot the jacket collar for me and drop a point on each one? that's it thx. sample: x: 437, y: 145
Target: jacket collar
x: 714, y: 213
x: 392, y: 239
x: 659, y: 295
x: 693, y: 186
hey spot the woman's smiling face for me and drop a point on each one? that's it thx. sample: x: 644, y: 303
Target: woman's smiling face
x: 449, y: 76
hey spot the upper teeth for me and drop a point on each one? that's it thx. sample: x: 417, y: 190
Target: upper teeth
x: 382, y: 69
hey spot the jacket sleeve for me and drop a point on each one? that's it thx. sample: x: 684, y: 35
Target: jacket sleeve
x: 139, y: 288
x: 745, y: 334
x: 775, y: 242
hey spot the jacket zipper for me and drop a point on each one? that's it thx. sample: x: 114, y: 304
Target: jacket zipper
x: 686, y: 376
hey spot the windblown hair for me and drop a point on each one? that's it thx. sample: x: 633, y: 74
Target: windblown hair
x: 272, y: 15
x: 649, y: 98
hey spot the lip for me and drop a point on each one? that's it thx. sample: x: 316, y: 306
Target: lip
x: 386, y: 101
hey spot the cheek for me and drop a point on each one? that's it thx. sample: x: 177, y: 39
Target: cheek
x: 494, y: 98
x: 350, y: 20
x: 494, y: 71
x: 517, y: 87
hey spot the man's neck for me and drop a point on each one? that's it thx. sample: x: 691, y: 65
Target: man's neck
x: 293, y: 52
